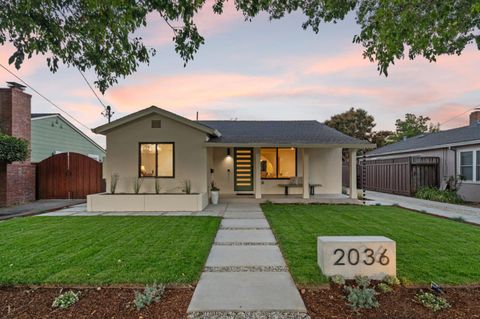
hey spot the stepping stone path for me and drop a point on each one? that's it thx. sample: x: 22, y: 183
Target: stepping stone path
x: 245, y: 275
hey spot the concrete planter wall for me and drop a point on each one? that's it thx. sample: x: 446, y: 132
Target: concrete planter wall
x: 146, y: 202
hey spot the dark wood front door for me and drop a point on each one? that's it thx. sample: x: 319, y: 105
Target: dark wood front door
x: 243, y: 166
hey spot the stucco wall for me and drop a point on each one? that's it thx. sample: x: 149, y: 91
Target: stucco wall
x: 190, y: 154
x: 325, y: 169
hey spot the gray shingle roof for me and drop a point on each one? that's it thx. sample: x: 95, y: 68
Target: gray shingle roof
x: 278, y: 132
x: 465, y: 134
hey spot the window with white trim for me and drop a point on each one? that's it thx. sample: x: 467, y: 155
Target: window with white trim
x: 478, y: 166
x: 466, y: 165
x: 469, y: 165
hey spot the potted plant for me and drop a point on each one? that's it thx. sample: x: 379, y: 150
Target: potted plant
x: 214, y: 191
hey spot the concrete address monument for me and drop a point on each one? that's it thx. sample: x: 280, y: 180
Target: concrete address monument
x: 372, y: 256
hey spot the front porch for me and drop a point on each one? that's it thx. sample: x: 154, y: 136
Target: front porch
x: 281, y: 174
x: 289, y: 199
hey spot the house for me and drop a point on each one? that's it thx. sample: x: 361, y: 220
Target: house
x: 253, y: 158
x: 53, y: 134
x: 457, y: 150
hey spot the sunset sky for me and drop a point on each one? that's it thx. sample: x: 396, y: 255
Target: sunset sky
x: 266, y: 70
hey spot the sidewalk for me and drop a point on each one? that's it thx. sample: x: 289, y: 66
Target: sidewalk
x: 469, y: 214
x: 37, y: 207
x: 245, y: 275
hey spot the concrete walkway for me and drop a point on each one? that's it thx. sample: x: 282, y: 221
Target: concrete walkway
x: 245, y: 275
x: 469, y: 214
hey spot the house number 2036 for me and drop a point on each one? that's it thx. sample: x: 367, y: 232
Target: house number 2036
x: 354, y: 256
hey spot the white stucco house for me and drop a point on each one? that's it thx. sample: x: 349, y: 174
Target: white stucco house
x: 243, y: 158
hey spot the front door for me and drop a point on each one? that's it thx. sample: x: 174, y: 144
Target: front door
x: 243, y: 167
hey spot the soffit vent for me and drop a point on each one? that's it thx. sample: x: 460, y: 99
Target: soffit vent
x: 156, y: 123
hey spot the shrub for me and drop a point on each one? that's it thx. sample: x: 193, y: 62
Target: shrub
x: 338, y: 280
x: 113, y: 183
x: 137, y: 184
x: 150, y: 294
x: 157, y: 186
x: 361, y: 298
x: 435, y: 194
x: 13, y: 149
x: 391, y: 280
x: 66, y: 300
x: 383, y: 287
x: 362, y: 281
x: 187, y: 186
x: 431, y: 301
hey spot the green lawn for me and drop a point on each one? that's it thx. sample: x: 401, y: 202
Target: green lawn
x: 428, y: 248
x: 104, y: 250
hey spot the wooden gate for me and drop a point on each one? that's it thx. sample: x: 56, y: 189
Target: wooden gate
x: 68, y: 175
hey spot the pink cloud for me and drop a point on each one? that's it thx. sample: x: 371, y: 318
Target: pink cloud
x: 190, y: 91
x: 28, y: 67
x: 345, y: 62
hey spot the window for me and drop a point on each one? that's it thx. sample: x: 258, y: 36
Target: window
x: 156, y: 160
x: 278, y: 163
x: 478, y: 166
x: 466, y: 165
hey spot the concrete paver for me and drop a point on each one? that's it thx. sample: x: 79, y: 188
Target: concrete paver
x: 245, y: 236
x: 244, y: 223
x: 246, y: 291
x: 243, y: 215
x: 225, y: 256
x: 245, y: 271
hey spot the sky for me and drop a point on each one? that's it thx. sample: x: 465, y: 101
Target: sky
x: 264, y: 70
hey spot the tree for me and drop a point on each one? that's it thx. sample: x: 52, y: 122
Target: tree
x: 354, y: 122
x: 100, y: 35
x: 412, y: 126
x: 381, y: 138
x: 13, y: 149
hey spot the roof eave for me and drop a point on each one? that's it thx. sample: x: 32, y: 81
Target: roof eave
x: 298, y: 145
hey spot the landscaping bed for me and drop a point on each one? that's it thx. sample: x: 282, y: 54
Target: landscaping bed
x: 25, y: 302
x: 400, y: 303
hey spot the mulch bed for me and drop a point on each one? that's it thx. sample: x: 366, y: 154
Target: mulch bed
x: 109, y: 302
x: 399, y: 304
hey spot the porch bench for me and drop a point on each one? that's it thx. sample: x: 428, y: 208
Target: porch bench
x: 289, y: 185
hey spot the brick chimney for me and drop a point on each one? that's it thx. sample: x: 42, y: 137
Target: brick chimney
x: 474, y: 117
x: 17, y: 180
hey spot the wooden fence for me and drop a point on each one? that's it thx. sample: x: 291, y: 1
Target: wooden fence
x: 402, y: 176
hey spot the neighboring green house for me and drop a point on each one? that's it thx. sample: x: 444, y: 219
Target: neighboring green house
x: 53, y: 134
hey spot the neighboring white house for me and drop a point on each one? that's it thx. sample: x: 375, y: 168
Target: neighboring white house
x: 241, y: 157
x: 458, y: 150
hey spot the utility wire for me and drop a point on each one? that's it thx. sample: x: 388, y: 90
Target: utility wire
x: 44, y: 97
x: 91, y: 88
x: 457, y: 116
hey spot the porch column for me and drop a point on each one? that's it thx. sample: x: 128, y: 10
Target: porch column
x: 306, y: 174
x: 353, y: 173
x: 257, y: 173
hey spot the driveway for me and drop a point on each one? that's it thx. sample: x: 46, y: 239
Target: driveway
x: 37, y: 207
x: 469, y: 214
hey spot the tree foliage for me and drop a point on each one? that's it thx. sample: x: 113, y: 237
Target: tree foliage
x: 412, y: 126
x: 13, y: 149
x: 354, y: 122
x: 100, y: 35
x: 381, y: 138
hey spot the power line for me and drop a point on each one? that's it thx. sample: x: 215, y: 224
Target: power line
x: 91, y: 88
x: 457, y: 116
x: 44, y: 97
